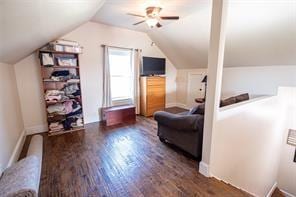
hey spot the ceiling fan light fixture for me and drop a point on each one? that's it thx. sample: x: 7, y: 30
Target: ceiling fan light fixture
x: 151, y: 22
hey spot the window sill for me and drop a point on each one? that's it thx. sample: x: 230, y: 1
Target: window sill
x: 117, y: 102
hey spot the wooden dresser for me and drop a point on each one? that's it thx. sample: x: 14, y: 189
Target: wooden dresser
x: 152, y: 94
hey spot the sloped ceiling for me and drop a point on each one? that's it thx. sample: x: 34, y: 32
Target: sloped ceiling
x: 259, y: 32
x: 185, y: 42
x: 114, y: 12
x: 26, y: 25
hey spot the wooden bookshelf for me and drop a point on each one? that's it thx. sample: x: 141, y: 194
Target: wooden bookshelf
x: 50, y: 85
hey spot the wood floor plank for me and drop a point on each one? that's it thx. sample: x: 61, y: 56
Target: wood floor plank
x: 123, y: 160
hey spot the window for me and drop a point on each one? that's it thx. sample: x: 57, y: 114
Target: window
x: 121, y: 75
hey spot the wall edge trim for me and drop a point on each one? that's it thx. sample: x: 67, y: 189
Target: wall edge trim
x: 17, y: 149
x: 272, y: 189
x: 287, y: 194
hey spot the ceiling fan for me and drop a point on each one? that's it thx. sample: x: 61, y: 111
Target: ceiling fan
x: 153, y: 18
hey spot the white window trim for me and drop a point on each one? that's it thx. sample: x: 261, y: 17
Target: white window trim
x: 123, y: 100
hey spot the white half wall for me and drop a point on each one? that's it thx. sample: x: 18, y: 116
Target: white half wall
x: 91, y: 36
x: 287, y: 169
x: 11, y: 122
x: 246, y: 145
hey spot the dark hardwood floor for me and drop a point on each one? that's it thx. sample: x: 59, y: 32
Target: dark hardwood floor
x: 125, y: 160
x: 175, y: 110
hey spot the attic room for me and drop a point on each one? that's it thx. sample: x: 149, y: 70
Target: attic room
x: 148, y: 98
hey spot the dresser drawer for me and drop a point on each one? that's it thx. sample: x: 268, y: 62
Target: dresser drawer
x: 156, y: 81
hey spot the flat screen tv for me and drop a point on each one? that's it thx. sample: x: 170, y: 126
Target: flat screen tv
x: 153, y: 66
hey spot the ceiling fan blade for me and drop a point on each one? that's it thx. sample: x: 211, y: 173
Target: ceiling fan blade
x: 138, y: 15
x: 170, y: 17
x: 158, y: 25
x: 139, y: 22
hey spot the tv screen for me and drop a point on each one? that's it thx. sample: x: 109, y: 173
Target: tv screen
x: 153, y: 66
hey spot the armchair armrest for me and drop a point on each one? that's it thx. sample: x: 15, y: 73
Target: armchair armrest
x: 179, y: 122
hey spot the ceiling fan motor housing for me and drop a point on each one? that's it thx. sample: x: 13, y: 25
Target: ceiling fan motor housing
x: 153, y: 11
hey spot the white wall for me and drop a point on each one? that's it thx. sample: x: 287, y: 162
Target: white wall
x: 11, y: 122
x: 28, y: 77
x: 90, y: 36
x: 182, y: 85
x: 287, y: 169
x: 246, y: 145
x: 260, y: 80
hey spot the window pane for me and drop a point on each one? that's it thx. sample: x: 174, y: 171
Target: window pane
x: 120, y: 63
x: 121, y: 74
x: 120, y: 87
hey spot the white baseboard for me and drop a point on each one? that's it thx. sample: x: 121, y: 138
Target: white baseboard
x: 182, y: 105
x: 36, y: 129
x: 287, y: 194
x: 269, y: 194
x: 92, y: 120
x: 204, y: 169
x: 17, y: 149
x: 167, y: 105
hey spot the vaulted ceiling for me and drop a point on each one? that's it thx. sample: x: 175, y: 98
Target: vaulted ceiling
x: 114, y: 12
x: 259, y: 32
x: 26, y: 25
x: 185, y: 42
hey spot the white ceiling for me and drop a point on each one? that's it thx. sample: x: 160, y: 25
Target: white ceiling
x: 26, y: 25
x: 185, y: 42
x: 114, y: 12
x: 259, y: 32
